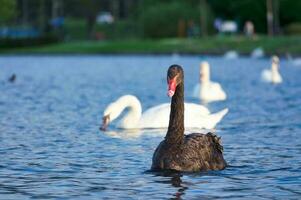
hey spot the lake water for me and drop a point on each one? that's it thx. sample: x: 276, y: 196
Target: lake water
x: 51, y: 148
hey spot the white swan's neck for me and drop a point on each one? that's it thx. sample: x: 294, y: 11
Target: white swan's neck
x: 204, y: 73
x: 131, y: 119
x: 275, y: 72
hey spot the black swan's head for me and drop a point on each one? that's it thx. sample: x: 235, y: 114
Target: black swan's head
x: 175, y: 76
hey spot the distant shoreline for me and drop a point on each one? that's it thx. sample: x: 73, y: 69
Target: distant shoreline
x: 134, y: 54
x: 214, y: 46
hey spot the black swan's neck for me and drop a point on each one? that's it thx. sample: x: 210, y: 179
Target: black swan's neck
x: 175, y: 132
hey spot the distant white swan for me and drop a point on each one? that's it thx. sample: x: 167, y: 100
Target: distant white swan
x: 231, y: 55
x: 196, y: 116
x: 207, y: 90
x: 294, y: 61
x: 257, y: 53
x: 175, y: 56
x: 272, y: 75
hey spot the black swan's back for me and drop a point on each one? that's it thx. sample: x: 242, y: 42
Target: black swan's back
x: 197, y: 152
x: 12, y: 78
x: 194, y: 152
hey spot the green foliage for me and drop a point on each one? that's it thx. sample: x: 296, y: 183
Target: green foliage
x: 215, y: 45
x: 255, y: 10
x: 161, y: 19
x: 7, y: 10
x: 125, y: 29
x: 75, y: 29
x: 149, y: 18
x: 8, y: 43
x: 293, y: 29
x: 290, y: 11
x: 241, y: 11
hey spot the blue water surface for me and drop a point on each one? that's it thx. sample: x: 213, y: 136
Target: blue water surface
x: 51, y: 148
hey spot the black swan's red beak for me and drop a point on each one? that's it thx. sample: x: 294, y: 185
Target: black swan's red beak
x: 105, y: 122
x: 171, y: 87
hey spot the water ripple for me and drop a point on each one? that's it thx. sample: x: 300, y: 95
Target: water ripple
x: 51, y: 147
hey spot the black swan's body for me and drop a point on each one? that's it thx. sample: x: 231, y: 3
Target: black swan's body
x: 194, y: 152
x: 12, y: 78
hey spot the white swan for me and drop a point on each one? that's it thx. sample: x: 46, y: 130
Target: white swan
x: 257, y: 53
x: 207, y: 90
x: 196, y: 116
x: 272, y: 75
x: 230, y: 55
x: 294, y: 61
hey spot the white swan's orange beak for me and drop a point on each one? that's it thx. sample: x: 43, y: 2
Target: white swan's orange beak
x: 202, y: 76
x: 105, y: 122
x: 171, y: 87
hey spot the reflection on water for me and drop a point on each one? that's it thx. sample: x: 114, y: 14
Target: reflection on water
x: 123, y: 134
x: 174, y: 179
x: 135, y: 133
x: 51, y: 146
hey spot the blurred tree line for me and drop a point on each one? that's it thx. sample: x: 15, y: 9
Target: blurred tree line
x: 7, y: 10
x: 147, y: 18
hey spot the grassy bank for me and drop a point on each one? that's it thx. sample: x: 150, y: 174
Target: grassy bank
x: 211, y: 45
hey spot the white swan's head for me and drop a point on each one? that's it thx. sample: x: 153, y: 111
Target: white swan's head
x: 275, y: 63
x: 275, y: 59
x: 204, y: 72
x: 113, y: 110
x: 175, y: 76
x: 110, y: 113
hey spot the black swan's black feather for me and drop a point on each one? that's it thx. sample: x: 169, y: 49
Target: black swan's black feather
x: 193, y: 152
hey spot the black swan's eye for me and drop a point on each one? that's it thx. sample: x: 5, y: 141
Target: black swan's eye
x: 173, y: 71
x: 171, y: 74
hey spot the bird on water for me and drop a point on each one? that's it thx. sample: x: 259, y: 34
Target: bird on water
x: 193, y: 152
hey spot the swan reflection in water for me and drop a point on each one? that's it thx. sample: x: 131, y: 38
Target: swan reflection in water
x: 184, y: 182
x: 174, y: 180
x: 136, y: 133
x: 133, y: 133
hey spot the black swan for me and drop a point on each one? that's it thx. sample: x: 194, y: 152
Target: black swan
x: 193, y: 152
x: 12, y: 78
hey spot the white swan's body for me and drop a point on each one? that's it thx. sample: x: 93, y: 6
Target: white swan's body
x: 294, y: 61
x: 207, y: 90
x: 257, y: 53
x: 196, y: 116
x: 230, y: 55
x: 272, y: 75
x: 211, y: 91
